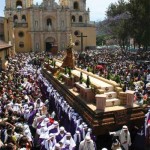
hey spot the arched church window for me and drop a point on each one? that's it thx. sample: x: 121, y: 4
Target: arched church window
x: 76, y: 5
x: 21, y: 34
x: 19, y: 4
x: 21, y: 44
x: 76, y: 33
x: 80, y: 19
x: 23, y: 18
x: 73, y: 19
x: 15, y: 18
x: 77, y: 43
x: 49, y: 22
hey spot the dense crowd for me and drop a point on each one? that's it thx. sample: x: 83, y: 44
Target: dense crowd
x: 33, y: 115
x: 130, y: 70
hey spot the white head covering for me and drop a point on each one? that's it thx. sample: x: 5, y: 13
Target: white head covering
x: 64, y: 139
x: 28, y: 134
x: 77, y: 134
x: 125, y: 127
x: 55, y: 124
x: 44, y: 134
x: 44, y: 122
x: 53, y: 114
x: 62, y: 129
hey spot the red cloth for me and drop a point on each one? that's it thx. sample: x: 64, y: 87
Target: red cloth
x: 51, y: 120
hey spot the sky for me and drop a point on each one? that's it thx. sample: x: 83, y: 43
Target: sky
x: 97, y: 8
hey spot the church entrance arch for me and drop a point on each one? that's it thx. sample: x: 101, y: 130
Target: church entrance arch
x: 49, y: 43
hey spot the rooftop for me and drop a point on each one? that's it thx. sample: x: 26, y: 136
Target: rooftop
x: 4, y: 45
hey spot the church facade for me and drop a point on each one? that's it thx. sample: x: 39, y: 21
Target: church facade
x: 47, y: 26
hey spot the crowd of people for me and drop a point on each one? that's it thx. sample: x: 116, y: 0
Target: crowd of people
x: 130, y: 70
x: 33, y: 115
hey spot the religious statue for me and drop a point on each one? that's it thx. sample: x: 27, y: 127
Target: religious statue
x: 69, y: 60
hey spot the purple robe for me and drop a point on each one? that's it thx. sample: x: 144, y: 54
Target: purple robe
x: 54, y: 130
x: 31, y: 117
x: 59, y: 137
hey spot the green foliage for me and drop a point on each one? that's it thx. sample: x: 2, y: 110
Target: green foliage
x: 140, y: 21
x: 54, y: 64
x: 81, y: 78
x: 88, y: 82
x: 66, y: 71
x: 117, y: 78
x: 59, y: 76
x: 69, y: 72
x: 127, y: 20
x: 100, y: 40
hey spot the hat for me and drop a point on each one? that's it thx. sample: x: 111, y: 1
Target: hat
x: 89, y: 129
x: 62, y: 129
x: 87, y: 138
x: 68, y: 134
x: 30, y: 107
x: 85, y: 125
x: 37, y: 114
x: 125, y: 127
x: 148, y: 85
x: 44, y: 122
x: 57, y: 145
x: 77, y: 132
x: 56, y: 123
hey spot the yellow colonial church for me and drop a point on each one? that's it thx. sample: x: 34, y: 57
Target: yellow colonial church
x: 41, y: 27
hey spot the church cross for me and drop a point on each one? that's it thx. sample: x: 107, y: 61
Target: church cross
x: 81, y: 36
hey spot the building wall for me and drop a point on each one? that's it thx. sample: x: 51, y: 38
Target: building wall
x: 38, y: 29
x: 3, y: 61
x: 1, y: 28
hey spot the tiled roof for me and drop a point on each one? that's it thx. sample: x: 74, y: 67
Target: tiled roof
x: 4, y: 45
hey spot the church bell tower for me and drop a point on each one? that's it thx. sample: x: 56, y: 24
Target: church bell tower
x: 17, y: 16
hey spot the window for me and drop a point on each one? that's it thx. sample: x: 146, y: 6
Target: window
x: 37, y: 45
x: 23, y: 18
x: 15, y: 18
x: 21, y: 34
x: 77, y: 43
x: 73, y: 19
x: 76, y: 5
x: 80, y: 19
x: 49, y: 22
x: 21, y: 44
x: 62, y: 23
x: 76, y: 33
x: 19, y: 4
x: 36, y: 23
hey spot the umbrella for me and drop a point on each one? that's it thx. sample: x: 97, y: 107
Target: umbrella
x: 99, y: 67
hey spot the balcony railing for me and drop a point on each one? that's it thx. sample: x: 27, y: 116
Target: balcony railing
x: 20, y: 25
x: 91, y: 24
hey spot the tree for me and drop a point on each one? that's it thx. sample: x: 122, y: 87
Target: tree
x: 140, y: 21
